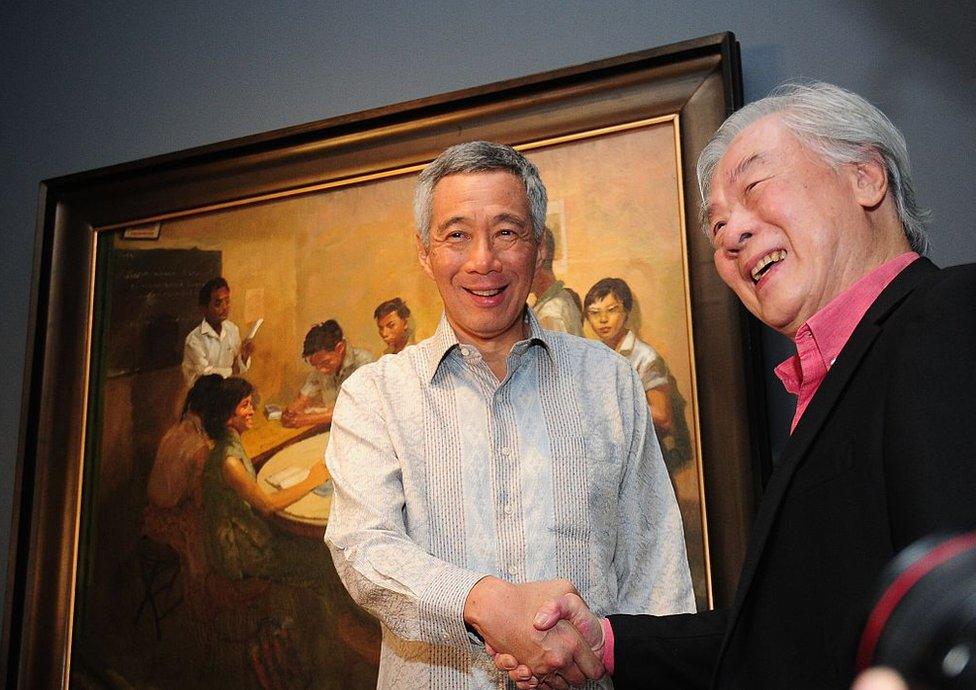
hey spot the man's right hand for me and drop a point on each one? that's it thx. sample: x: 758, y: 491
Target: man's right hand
x: 505, y: 616
x: 568, y: 608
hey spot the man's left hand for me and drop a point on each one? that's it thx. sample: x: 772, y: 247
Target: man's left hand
x: 503, y: 613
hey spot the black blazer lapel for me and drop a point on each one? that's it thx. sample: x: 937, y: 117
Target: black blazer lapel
x: 813, y: 419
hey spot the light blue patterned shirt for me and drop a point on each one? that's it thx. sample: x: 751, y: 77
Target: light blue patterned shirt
x: 444, y: 475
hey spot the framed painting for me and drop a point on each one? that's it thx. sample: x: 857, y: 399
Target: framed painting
x: 310, y: 224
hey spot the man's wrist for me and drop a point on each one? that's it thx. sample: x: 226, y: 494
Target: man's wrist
x: 482, y: 598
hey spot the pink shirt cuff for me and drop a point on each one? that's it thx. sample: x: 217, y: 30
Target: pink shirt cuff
x: 607, y: 645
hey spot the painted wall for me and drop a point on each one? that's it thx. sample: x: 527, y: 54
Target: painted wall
x: 91, y: 84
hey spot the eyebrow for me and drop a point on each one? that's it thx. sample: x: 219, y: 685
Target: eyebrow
x: 732, y: 176
x: 744, y: 165
x: 511, y: 218
x: 453, y: 220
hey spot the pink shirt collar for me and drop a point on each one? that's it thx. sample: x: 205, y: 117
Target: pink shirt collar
x: 820, y: 340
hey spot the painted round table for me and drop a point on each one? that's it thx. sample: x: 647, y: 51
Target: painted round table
x: 308, y: 515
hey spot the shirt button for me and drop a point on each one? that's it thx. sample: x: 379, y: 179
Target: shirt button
x: 513, y: 571
x: 446, y: 635
x: 506, y: 451
x: 508, y: 509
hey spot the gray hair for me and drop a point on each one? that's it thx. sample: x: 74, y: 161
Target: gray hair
x: 477, y: 157
x: 839, y: 126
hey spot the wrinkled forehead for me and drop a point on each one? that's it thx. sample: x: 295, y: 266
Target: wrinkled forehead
x: 500, y: 177
x: 755, y: 139
x: 762, y: 145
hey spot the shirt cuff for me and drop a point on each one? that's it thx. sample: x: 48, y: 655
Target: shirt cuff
x: 608, y: 662
x: 442, y: 609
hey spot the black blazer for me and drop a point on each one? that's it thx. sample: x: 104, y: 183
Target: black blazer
x: 884, y: 454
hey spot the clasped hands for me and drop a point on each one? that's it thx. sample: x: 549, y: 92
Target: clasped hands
x: 544, y: 636
x: 541, y: 633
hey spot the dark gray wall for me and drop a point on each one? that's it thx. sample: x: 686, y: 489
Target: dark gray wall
x: 87, y: 84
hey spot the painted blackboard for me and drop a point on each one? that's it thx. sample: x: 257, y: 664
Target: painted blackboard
x: 154, y: 304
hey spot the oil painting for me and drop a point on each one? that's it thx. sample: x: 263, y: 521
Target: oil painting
x: 263, y: 281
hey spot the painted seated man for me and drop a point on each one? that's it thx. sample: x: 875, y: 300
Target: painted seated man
x: 332, y: 360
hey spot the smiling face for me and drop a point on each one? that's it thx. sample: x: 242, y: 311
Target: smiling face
x: 243, y: 417
x: 790, y: 231
x: 482, y: 255
x: 608, y: 318
x: 393, y: 331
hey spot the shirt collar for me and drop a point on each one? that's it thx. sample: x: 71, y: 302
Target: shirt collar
x: 626, y: 345
x: 831, y: 327
x: 445, y: 340
x: 207, y: 329
x: 349, y: 363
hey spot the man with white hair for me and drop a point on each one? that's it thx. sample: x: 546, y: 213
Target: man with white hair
x: 482, y: 457
x: 809, y: 204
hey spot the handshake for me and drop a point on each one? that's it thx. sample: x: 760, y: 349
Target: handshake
x: 544, y: 635
x: 541, y: 633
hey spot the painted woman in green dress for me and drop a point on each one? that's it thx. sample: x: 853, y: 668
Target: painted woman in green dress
x: 239, y: 540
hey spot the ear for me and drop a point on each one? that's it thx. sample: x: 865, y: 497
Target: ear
x: 540, y: 254
x: 869, y: 183
x: 423, y: 256
x: 340, y: 347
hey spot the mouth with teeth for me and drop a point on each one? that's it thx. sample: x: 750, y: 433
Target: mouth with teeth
x: 488, y: 297
x: 766, y: 263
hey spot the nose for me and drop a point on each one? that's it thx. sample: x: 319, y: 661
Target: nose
x: 481, y: 255
x: 738, y: 230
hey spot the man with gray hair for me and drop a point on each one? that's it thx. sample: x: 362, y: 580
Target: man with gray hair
x: 482, y: 457
x: 809, y: 204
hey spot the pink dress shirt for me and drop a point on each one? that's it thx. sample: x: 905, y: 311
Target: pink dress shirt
x: 820, y: 340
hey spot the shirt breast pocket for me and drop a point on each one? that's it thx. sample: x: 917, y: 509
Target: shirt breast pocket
x: 586, y: 475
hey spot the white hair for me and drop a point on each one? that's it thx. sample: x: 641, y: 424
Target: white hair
x: 476, y: 157
x: 838, y: 125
